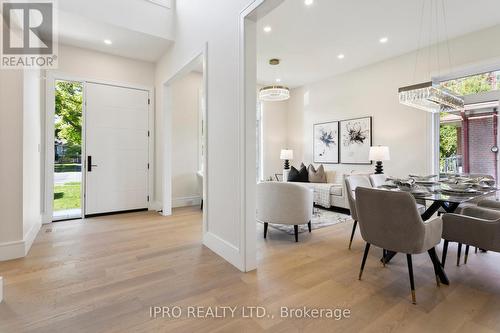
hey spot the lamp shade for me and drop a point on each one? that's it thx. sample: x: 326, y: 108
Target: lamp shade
x: 379, y: 153
x: 286, y: 154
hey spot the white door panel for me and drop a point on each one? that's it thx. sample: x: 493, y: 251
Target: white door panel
x: 117, y: 140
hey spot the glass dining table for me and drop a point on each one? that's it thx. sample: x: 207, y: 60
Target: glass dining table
x: 438, y: 196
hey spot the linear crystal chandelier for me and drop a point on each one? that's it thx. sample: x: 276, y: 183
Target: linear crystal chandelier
x: 429, y: 96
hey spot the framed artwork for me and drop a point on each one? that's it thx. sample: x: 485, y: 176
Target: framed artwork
x: 355, y: 140
x: 326, y: 143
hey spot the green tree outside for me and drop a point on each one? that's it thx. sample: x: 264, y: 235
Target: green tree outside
x: 68, y: 125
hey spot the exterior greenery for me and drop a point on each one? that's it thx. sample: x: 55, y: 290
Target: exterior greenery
x: 476, y: 84
x: 68, y: 124
x: 67, y: 196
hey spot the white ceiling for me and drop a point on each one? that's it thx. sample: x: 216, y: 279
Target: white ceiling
x: 138, y: 29
x: 309, y: 39
x: 82, y: 32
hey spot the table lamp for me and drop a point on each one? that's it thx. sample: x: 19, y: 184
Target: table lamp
x: 379, y: 154
x: 286, y: 155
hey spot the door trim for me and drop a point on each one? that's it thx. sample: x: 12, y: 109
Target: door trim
x: 48, y: 140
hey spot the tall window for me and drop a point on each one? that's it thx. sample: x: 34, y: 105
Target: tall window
x: 468, y: 139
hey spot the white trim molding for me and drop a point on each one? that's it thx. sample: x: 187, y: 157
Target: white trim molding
x: 1, y: 289
x: 20, y: 248
x: 186, y: 201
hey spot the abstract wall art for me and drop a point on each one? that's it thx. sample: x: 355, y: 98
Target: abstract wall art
x: 326, y: 142
x: 355, y: 140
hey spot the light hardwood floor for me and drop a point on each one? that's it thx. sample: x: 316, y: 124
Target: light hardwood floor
x: 103, y: 274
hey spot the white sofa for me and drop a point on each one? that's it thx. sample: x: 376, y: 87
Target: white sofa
x: 329, y: 194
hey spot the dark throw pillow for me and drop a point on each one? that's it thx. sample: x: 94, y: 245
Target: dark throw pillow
x: 301, y: 175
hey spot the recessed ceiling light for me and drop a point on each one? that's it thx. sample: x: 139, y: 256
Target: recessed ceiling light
x: 383, y: 40
x: 308, y: 2
x: 267, y: 28
x: 108, y: 42
x: 278, y: 80
x: 341, y: 56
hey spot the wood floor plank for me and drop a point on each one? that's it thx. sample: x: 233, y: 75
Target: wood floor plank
x: 104, y: 274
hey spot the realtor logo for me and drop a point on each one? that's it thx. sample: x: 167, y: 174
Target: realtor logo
x: 28, y: 32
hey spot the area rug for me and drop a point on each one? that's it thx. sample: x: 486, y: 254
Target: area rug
x: 322, y: 218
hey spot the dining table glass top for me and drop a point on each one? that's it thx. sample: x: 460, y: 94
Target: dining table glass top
x: 439, y: 191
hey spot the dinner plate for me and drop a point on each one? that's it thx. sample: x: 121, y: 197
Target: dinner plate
x: 467, y: 191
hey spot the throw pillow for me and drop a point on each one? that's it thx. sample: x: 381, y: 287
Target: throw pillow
x: 298, y: 175
x: 316, y: 176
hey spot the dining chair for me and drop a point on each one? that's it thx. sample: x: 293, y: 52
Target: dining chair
x: 351, y: 183
x: 378, y: 180
x: 390, y: 220
x: 476, y: 226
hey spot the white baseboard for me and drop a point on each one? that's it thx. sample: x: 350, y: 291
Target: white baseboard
x: 186, y: 201
x: 20, y: 248
x: 224, y: 249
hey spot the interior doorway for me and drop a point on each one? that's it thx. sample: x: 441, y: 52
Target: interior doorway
x: 185, y: 119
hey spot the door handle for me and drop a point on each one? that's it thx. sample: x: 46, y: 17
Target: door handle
x: 89, y: 164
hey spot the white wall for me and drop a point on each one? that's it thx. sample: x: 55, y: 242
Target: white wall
x: 20, y: 137
x: 32, y: 154
x: 95, y: 65
x: 215, y: 23
x: 274, y: 136
x: 372, y: 91
x: 11, y: 167
x: 185, y: 139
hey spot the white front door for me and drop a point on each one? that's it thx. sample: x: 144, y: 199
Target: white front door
x: 116, y: 148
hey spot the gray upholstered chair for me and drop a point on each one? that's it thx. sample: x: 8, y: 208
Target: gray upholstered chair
x: 476, y: 226
x: 390, y: 220
x: 351, y: 183
x: 284, y: 203
x: 378, y: 180
x: 489, y: 203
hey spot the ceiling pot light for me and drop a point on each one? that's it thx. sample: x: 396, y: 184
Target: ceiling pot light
x: 267, y: 28
x: 341, y: 56
x: 383, y: 40
x: 308, y: 2
x: 108, y: 42
x: 274, y: 93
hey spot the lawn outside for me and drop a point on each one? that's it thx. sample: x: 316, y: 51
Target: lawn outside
x: 67, y: 196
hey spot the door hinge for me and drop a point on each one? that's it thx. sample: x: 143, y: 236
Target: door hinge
x: 149, y: 101
x: 148, y: 134
x: 148, y: 166
x: 148, y: 198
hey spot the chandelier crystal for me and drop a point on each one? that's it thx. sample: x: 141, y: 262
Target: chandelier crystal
x: 431, y: 98
x: 274, y: 93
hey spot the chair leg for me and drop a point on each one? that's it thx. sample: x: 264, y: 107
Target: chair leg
x: 201, y: 206
x: 475, y: 250
x: 296, y: 229
x: 435, y: 263
x: 466, y: 254
x: 445, y: 252
x: 309, y: 226
x: 412, y: 281
x: 459, y: 253
x: 383, y: 257
x: 363, y: 262
x: 265, y: 229
x: 352, y: 233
